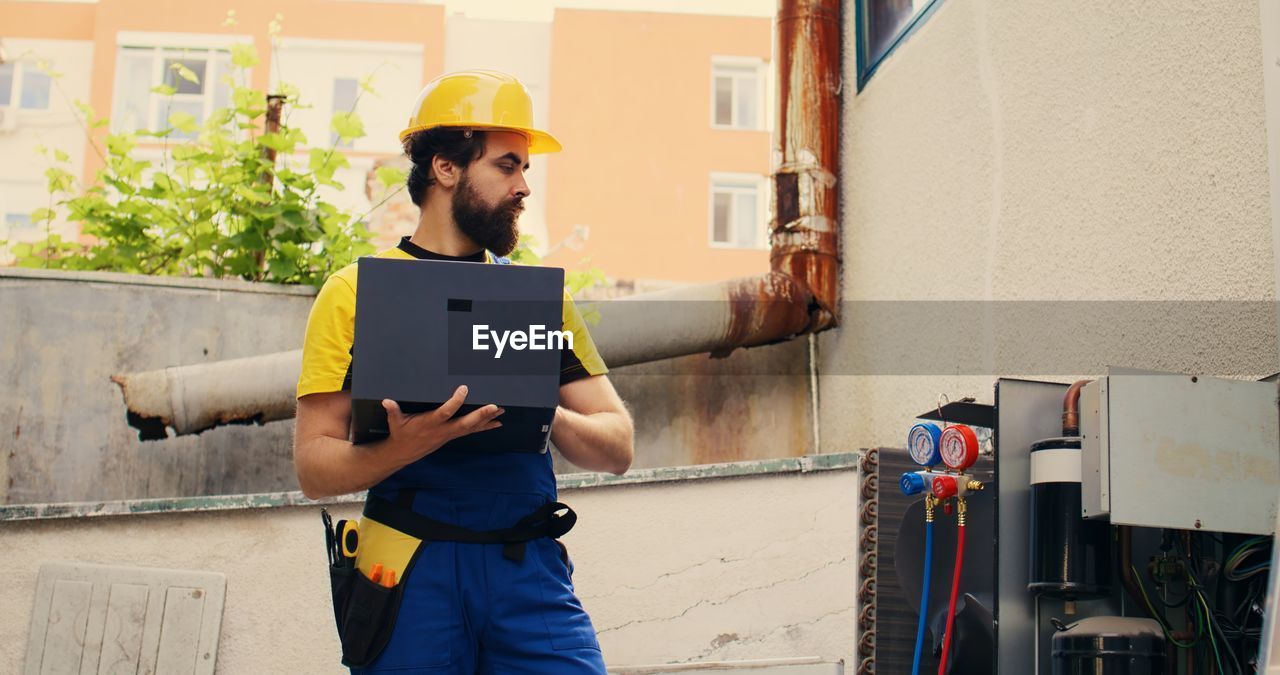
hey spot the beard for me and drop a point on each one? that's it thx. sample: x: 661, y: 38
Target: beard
x: 493, y: 227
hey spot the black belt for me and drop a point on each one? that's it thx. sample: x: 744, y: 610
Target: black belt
x: 546, y: 521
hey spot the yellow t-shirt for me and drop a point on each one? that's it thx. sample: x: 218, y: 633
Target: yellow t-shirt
x: 326, y: 350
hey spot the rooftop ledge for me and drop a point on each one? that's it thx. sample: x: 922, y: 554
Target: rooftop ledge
x: 197, y: 283
x: 571, y: 481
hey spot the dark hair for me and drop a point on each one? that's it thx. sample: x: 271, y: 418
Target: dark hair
x: 459, y: 146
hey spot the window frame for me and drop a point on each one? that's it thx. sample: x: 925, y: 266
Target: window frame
x: 333, y: 110
x: 214, y: 49
x: 20, y: 68
x: 761, y: 72
x: 736, y: 183
x: 867, y: 68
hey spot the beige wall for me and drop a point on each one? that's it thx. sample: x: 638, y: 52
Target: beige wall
x: 1053, y: 151
x: 632, y: 105
x: 730, y: 568
x: 23, y: 186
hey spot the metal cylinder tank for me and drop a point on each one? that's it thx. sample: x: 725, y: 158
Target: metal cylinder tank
x: 1070, y: 557
x: 1109, y: 645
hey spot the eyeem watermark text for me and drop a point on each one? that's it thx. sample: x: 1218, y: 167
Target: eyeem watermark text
x: 537, y: 338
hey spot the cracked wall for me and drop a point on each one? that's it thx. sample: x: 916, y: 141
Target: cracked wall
x: 697, y: 569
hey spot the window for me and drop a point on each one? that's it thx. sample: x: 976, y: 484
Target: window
x: 345, y: 91
x: 18, y: 199
x: 23, y: 84
x: 139, y: 69
x: 17, y: 221
x: 882, y: 25
x: 737, y: 93
x: 737, y: 211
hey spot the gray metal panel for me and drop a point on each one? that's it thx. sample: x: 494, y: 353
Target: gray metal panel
x: 1192, y: 452
x: 1025, y: 413
x: 1094, y: 501
x: 99, y: 619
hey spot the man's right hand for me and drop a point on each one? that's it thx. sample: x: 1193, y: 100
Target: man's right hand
x: 414, y: 436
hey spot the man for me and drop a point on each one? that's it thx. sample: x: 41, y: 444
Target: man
x: 463, y: 607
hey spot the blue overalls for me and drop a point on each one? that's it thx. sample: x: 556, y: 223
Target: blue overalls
x: 467, y: 607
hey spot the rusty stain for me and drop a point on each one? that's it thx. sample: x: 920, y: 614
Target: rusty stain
x: 1185, y: 460
x: 763, y: 310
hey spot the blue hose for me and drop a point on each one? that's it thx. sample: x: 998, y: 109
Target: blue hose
x: 924, y: 596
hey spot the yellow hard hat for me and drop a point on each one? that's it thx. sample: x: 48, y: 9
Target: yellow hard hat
x: 479, y: 99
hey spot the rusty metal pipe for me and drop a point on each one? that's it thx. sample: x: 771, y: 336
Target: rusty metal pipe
x: 804, y: 233
x: 191, y: 399
x: 707, y: 318
x: 697, y: 320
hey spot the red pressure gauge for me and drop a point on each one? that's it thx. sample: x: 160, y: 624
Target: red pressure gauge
x: 959, y: 447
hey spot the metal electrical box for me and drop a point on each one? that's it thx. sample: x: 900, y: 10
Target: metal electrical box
x: 1180, y: 451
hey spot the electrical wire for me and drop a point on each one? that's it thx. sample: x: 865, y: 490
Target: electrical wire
x: 1212, y: 639
x: 1232, y: 570
x: 955, y: 587
x: 1160, y: 618
x: 1207, y: 613
x: 924, y: 589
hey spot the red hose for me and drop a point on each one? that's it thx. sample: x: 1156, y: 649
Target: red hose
x: 955, y: 588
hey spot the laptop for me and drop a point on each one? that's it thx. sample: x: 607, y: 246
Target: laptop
x: 424, y: 327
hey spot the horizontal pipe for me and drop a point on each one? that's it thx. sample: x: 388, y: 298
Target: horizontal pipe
x: 195, y: 398
x: 708, y: 318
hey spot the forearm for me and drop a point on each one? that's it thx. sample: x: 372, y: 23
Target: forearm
x: 598, y: 442
x: 329, y: 466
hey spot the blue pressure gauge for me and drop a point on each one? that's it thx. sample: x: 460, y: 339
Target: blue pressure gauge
x: 922, y: 443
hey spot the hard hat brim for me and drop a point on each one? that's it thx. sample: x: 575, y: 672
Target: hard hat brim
x: 540, y: 142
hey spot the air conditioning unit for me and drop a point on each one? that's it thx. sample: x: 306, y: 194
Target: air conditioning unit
x: 8, y: 118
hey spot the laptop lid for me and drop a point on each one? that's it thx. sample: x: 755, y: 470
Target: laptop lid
x: 424, y: 327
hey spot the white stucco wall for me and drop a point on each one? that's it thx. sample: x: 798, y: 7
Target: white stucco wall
x: 1046, y: 151
x: 695, y: 569
x: 23, y: 186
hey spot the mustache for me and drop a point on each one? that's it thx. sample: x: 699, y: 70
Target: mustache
x: 515, y: 206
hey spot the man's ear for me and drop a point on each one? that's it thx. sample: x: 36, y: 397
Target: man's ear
x: 446, y: 172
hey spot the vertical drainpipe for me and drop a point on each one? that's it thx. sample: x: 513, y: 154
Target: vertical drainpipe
x: 804, y: 241
x: 275, y: 106
x: 804, y: 234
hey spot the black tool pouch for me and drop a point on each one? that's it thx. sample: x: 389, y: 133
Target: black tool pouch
x: 364, y: 611
x: 367, y: 615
